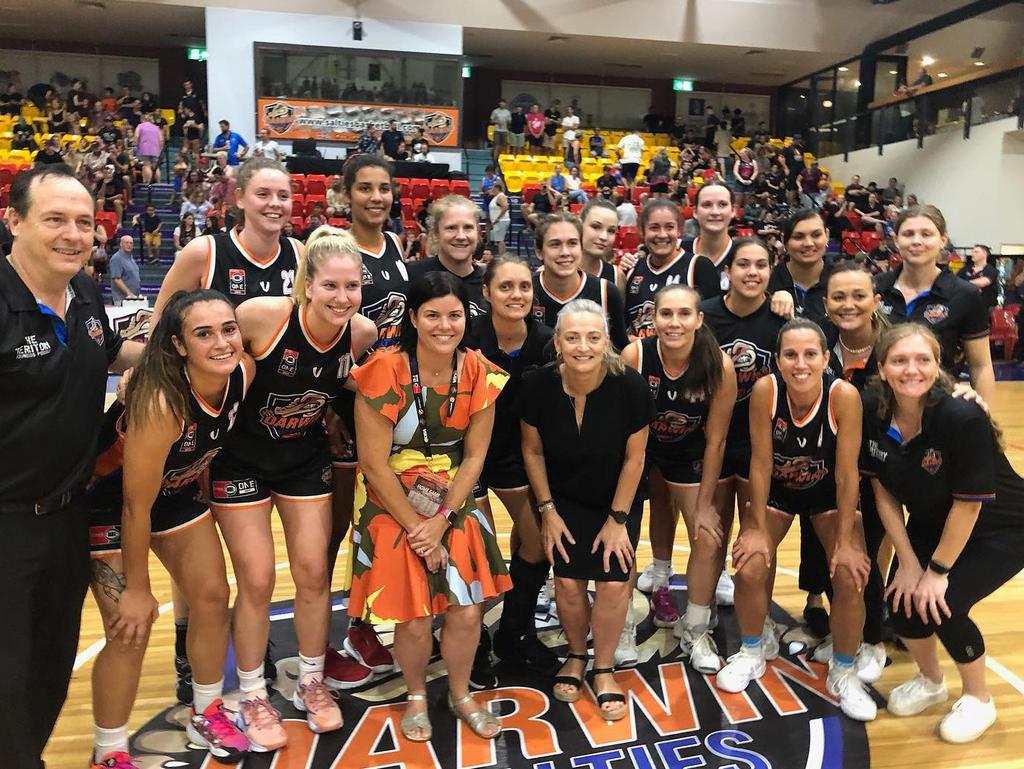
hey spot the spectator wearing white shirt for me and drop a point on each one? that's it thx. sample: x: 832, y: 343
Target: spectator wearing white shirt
x: 500, y: 119
x: 631, y: 153
x: 265, y: 147
x: 627, y: 213
x: 574, y: 187
x: 570, y: 125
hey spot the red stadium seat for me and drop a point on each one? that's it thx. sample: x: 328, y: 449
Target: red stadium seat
x: 575, y: 208
x: 420, y: 189
x: 439, y: 188
x: 637, y: 192
x: 402, y: 182
x: 627, y: 239
x: 408, y: 211
x: 107, y: 220
x: 691, y: 194
x: 298, y: 184
x: 460, y: 187
x: 687, y: 212
x: 7, y: 174
x: 297, y: 224
x: 1003, y: 331
x: 338, y: 221
x: 298, y: 206
x: 316, y: 184
x: 744, y: 232
x: 311, y: 199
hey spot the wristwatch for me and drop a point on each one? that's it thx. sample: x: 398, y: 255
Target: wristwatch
x: 938, y: 567
x: 619, y: 516
x: 449, y: 515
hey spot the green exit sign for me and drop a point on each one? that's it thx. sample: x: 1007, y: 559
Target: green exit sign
x: 682, y: 85
x: 197, y: 54
x: 467, y: 71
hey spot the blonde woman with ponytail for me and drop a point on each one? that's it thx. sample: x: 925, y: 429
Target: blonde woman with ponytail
x: 305, y: 348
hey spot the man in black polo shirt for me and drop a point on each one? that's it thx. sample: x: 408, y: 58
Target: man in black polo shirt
x: 392, y: 139
x: 56, y: 347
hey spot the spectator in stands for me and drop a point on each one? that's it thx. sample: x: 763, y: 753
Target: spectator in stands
x: 94, y: 162
x: 149, y: 224
x: 892, y: 191
x: 574, y: 152
x: 517, y: 130
x: 190, y: 100
x: 391, y: 140
x: 50, y: 153
x: 597, y: 144
x: 74, y: 155
x: 220, y: 162
x: 213, y: 225
x: 109, y: 192
x: 368, y: 144
x: 316, y: 217
x: 498, y: 218
x: 198, y: 205
x: 489, y: 178
x: 911, y: 202
x: 625, y: 209
x: 982, y: 274
x: 149, y: 145
x: 40, y: 95
x: 125, y: 103
x: 185, y: 233
x: 124, y: 165
x: 710, y: 127
x: 659, y: 173
x: 873, y: 214
x: 723, y: 148
x: 574, y: 187
x: 125, y: 281
x: 557, y: 181
x: 108, y: 102
x: 535, y: 122
x: 856, y: 193
x: 95, y: 121
x: 811, y: 195
x: 57, y: 118
x: 761, y: 135
x: 109, y: 133
x: 1015, y: 285
x: 552, y: 122
x: 631, y: 152
x: 744, y: 171
x: 222, y: 190
x: 923, y: 80
x: 606, y: 183
x: 500, y: 118
x: 265, y: 147
x: 738, y: 123
x: 11, y: 101
x: 335, y: 197
x: 420, y: 143
x: 570, y: 127
x: 192, y: 128
x: 422, y: 153
x: 231, y: 141
x: 545, y: 201
x: 23, y: 136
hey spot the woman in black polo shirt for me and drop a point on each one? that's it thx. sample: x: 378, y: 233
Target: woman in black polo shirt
x: 920, y: 291
x: 509, y: 337
x: 942, y: 459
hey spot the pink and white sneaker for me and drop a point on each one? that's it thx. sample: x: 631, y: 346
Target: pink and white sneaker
x: 260, y: 722
x: 114, y: 760
x: 214, y: 730
x: 315, y: 700
x: 665, y: 612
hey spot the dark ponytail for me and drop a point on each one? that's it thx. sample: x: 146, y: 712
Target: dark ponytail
x: 158, y: 383
x: 705, y: 370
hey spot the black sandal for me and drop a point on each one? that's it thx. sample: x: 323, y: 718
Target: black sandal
x: 608, y: 697
x: 574, y: 681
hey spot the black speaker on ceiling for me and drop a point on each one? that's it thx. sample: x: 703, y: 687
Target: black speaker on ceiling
x: 357, y: 30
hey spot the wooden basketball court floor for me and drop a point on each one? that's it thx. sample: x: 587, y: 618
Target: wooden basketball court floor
x: 895, y: 742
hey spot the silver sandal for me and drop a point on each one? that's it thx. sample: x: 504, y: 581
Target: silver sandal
x: 479, y: 721
x: 418, y: 723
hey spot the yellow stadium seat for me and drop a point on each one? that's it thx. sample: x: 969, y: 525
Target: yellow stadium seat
x: 169, y: 116
x: 23, y: 156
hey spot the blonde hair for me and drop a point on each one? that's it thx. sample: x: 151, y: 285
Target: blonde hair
x: 439, y: 209
x: 323, y: 243
x: 611, y: 360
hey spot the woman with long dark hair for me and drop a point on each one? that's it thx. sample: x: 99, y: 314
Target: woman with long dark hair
x: 180, y: 404
x: 420, y: 546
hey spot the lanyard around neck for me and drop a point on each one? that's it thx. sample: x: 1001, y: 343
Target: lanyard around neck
x: 417, y: 394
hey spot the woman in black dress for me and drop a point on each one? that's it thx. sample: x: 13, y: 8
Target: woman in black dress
x: 584, y: 432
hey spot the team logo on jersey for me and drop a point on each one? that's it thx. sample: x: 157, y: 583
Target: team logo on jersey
x: 231, y: 489
x: 634, y: 285
x: 932, y: 461
x: 188, y: 440
x: 344, y: 366
x: 672, y: 426
x: 367, y: 276
x: 885, y: 308
x: 538, y: 312
x: 236, y: 282
x: 387, y: 316
x: 264, y: 285
x: 289, y: 416
x: 798, y: 472
x: 95, y: 329
x: 936, y: 313
x: 654, y: 382
x: 134, y: 326
x: 104, y: 536
x: 643, y: 321
x: 177, y: 479
x: 751, y: 363
x: 326, y: 475
x: 781, y: 428
x: 289, y: 363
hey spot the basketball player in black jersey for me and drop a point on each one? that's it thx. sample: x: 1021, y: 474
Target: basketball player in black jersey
x: 181, y: 402
x: 797, y: 286
x: 713, y: 210
x: 453, y: 234
x: 805, y: 431
x: 666, y: 264
x: 278, y: 457
x: 694, y: 388
x: 561, y: 280
x: 600, y: 226
x: 746, y: 331
x: 254, y: 259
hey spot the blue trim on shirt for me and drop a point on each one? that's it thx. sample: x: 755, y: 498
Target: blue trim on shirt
x: 60, y: 328
x: 912, y: 302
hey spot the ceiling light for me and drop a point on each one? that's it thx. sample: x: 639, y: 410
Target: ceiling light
x: 827, y: 103
x: 979, y: 64
x: 892, y: 72
x: 927, y: 61
x: 856, y: 83
x: 844, y: 69
x: 802, y: 96
x: 943, y: 74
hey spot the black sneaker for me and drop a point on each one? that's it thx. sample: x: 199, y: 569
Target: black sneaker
x: 269, y: 667
x: 816, y: 619
x: 526, y: 650
x: 183, y: 673
x: 482, y: 676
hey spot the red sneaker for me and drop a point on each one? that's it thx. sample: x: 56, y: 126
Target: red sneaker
x: 341, y: 672
x: 364, y: 645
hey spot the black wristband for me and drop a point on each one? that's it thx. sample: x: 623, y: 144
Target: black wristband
x: 939, y: 568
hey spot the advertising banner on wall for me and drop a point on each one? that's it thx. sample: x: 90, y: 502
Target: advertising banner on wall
x: 344, y: 121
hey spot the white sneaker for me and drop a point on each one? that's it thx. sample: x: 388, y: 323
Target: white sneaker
x: 743, y: 667
x: 651, y: 577
x: 770, y: 638
x: 823, y: 652
x: 625, y: 651
x: 725, y: 590
x: 968, y: 720
x: 915, y: 695
x: 702, y: 650
x: 870, y: 662
x: 854, y: 699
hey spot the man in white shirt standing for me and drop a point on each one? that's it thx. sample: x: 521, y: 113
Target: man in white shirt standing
x: 631, y: 153
x: 265, y: 147
x: 570, y: 125
x: 500, y: 118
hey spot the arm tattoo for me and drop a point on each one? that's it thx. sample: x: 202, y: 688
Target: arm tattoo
x: 111, y: 582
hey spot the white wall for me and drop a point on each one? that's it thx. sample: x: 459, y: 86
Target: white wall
x: 230, y: 68
x: 976, y: 183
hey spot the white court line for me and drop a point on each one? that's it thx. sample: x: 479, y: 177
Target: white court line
x: 96, y: 647
x: 816, y: 745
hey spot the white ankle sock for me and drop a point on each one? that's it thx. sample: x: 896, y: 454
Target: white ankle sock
x: 251, y: 683
x: 697, y: 616
x: 204, y: 695
x: 109, y: 741
x: 310, y: 668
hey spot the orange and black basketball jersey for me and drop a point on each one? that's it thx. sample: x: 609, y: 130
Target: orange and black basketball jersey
x: 296, y: 378
x: 385, y: 282
x: 803, y: 452
x: 236, y: 273
x: 202, y: 436
x: 547, y: 305
x: 677, y: 430
x: 645, y: 280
